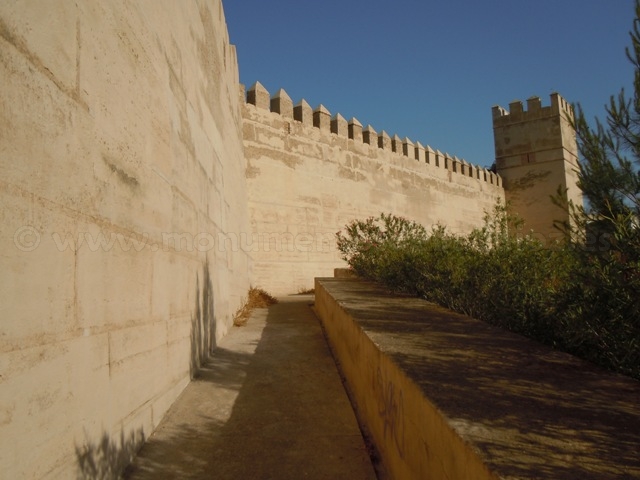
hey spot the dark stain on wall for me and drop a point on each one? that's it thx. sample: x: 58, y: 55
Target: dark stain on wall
x: 123, y: 176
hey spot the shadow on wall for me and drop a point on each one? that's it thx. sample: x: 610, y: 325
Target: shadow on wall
x: 203, y: 331
x: 182, y: 447
x: 107, y: 458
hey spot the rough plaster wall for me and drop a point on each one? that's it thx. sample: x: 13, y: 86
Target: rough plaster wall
x: 305, y: 184
x: 119, y: 127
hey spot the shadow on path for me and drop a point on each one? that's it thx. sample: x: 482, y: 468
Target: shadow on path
x: 269, y: 403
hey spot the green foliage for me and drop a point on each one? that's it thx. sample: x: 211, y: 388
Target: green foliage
x: 382, y: 248
x: 603, y: 308
x: 582, y: 296
x: 490, y: 274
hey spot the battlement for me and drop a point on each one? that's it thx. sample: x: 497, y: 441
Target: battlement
x: 537, y: 153
x: 517, y: 113
x: 320, y: 117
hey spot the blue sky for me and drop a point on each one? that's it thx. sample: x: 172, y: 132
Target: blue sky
x: 432, y: 70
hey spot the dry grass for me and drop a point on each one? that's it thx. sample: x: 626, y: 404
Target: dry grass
x: 306, y: 291
x: 256, y: 298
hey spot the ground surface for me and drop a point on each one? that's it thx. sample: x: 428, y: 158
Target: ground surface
x: 269, y: 404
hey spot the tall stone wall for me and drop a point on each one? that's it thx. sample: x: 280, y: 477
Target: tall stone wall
x: 310, y: 173
x: 121, y: 163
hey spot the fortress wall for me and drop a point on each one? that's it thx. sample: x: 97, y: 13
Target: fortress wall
x: 308, y: 177
x: 537, y: 153
x: 120, y: 135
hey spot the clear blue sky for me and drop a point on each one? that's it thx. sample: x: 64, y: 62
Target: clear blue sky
x: 431, y: 70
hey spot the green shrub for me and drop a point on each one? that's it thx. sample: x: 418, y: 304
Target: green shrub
x: 548, y: 294
x: 382, y: 249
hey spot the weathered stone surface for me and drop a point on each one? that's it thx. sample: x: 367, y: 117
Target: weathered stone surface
x: 121, y: 134
x: 408, y: 148
x: 384, y: 141
x: 303, y: 112
x: 420, y: 153
x: 355, y: 130
x: 259, y: 96
x: 396, y: 144
x: 536, y: 153
x: 281, y: 103
x: 339, y: 125
x: 322, y: 118
x: 305, y: 185
x: 370, y: 136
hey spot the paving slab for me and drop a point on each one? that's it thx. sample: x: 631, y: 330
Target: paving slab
x: 269, y: 404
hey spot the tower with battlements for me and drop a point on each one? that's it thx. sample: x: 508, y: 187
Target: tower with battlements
x: 537, y: 154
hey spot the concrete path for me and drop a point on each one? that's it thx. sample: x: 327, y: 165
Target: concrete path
x: 268, y: 405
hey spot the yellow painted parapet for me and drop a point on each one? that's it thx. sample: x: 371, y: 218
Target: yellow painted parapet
x: 446, y: 397
x: 411, y: 435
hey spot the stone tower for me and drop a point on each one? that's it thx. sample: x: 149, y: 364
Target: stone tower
x: 536, y: 152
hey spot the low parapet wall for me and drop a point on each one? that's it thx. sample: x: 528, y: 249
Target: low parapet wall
x: 445, y: 396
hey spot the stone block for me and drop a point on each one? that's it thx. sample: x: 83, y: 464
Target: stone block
x: 384, y: 141
x: 408, y: 149
x: 281, y: 103
x: 396, y: 144
x: 419, y: 152
x: 259, y: 96
x: 370, y: 136
x: 302, y: 112
x: 355, y: 130
x: 322, y: 118
x: 339, y: 125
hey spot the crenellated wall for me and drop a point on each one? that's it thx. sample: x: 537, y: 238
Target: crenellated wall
x: 309, y: 173
x: 141, y: 195
x: 536, y: 154
x: 120, y: 165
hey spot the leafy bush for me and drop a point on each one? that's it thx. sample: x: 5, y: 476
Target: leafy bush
x: 582, y: 296
x: 547, y: 294
x: 383, y: 248
x: 602, y: 304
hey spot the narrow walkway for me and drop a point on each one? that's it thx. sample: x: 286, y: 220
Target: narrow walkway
x: 269, y: 405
